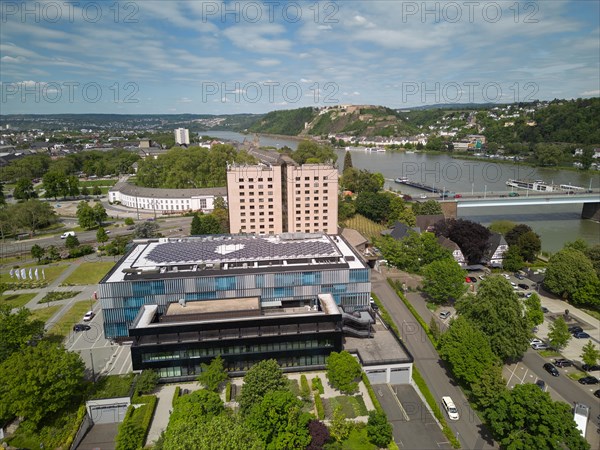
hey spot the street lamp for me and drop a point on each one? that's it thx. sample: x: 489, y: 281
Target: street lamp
x: 485, y: 191
x: 92, y: 363
x: 137, y: 209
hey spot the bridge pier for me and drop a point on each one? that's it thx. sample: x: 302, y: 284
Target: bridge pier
x: 591, y: 211
x: 449, y: 209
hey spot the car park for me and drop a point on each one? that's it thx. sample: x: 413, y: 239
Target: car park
x: 81, y: 327
x: 589, y: 368
x: 588, y: 380
x: 450, y: 408
x: 581, y: 335
x: 549, y: 367
x: 563, y: 362
x: 88, y: 316
x: 445, y: 314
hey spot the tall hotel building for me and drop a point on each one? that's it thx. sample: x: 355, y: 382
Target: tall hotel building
x: 281, y: 196
x: 182, y: 136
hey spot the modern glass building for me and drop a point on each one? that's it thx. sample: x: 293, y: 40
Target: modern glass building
x: 286, y: 270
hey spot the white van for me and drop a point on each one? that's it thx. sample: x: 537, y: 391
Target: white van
x: 67, y: 234
x: 450, y: 408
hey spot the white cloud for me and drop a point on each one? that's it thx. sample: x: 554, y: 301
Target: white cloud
x: 591, y: 93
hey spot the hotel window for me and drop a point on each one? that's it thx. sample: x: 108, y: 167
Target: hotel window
x: 269, y: 192
x: 242, y: 200
x: 240, y: 180
x: 261, y: 213
x: 252, y: 227
x: 269, y: 179
x: 270, y: 213
x: 251, y: 186
x: 298, y: 185
x: 251, y: 180
x: 325, y: 224
x: 316, y: 198
x: 298, y: 219
x: 325, y: 211
x: 243, y: 220
x: 307, y: 198
x: 271, y: 219
x: 242, y: 214
x: 270, y: 200
x: 297, y: 192
x: 325, y: 191
x: 241, y: 193
x: 325, y: 198
x: 261, y: 200
x: 251, y: 200
x: 297, y: 178
x: 242, y: 207
x: 251, y: 206
x: 262, y: 227
x: 251, y: 213
x: 261, y: 186
x: 269, y: 186
x: 297, y: 213
x: 252, y: 220
x: 307, y: 185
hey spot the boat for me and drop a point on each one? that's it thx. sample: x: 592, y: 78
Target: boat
x: 541, y: 186
x: 409, y: 152
x: 402, y: 180
x: 568, y: 187
x: 376, y: 149
x: 422, y: 196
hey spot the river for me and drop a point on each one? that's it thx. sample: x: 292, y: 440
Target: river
x: 556, y: 224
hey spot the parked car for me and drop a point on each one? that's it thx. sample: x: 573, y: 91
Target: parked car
x: 589, y: 368
x: 468, y: 279
x: 549, y: 367
x: 541, y: 346
x: 450, y: 408
x: 588, y: 380
x: 66, y: 234
x: 544, y: 309
x: 481, y: 277
x: 529, y: 294
x: 445, y: 314
x: 513, y: 194
x: 457, y: 195
x: 536, y: 341
x: 541, y: 384
x: 81, y: 327
x: 575, y: 329
x: 88, y: 316
x: 563, y: 362
x: 473, y: 279
x: 507, y: 276
x: 581, y: 335
x: 597, y: 393
x: 523, y: 286
x: 518, y: 276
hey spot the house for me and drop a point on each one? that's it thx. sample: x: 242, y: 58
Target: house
x: 457, y: 254
x: 399, y: 231
x: 495, y: 249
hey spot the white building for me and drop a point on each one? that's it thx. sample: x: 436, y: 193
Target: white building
x: 182, y: 136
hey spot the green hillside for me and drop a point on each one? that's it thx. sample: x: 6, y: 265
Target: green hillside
x: 288, y: 122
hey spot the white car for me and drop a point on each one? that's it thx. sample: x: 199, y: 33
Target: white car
x: 541, y: 346
x: 450, y: 408
x: 536, y: 341
x: 506, y: 276
x: 513, y: 284
x: 88, y: 316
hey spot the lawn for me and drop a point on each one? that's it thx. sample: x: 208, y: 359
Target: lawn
x: 364, y: 226
x: 358, y: 440
x: 352, y: 406
x: 51, y: 271
x: 88, y: 273
x: 74, y: 315
x: 55, y: 296
x: 16, y: 300
x: 45, y: 313
x: 113, y: 386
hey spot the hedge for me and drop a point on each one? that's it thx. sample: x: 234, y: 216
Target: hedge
x: 385, y: 315
x: 134, y: 417
x: 304, y: 388
x: 317, y: 385
x: 228, y: 391
x: 81, y: 412
x: 151, y: 401
x: 434, y: 407
x: 319, y: 406
x: 371, y: 392
x: 176, y: 395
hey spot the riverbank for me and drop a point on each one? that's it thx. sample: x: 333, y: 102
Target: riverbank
x: 468, y: 157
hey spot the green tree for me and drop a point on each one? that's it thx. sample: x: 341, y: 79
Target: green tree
x: 197, y: 407
x: 533, y: 310
x: 205, y: 224
x: 52, y: 183
x: 145, y: 230
x: 2, y: 198
x: 568, y: 270
x: 101, y: 235
x: 34, y: 214
x: 494, y: 310
x: 263, y: 377
x: 343, y: 370
x: 427, y: 208
x: 73, y: 184
x: 146, y: 381
x: 501, y: 226
x: 37, y: 252
x: 71, y: 242
x: 129, y: 221
x: 85, y: 191
x: 347, y: 161
x: 467, y: 350
x: 213, y: 374
x: 96, y: 191
x: 590, y: 354
x: 512, y: 236
x: 374, y: 206
x: 8, y: 224
x: 85, y: 216
x: 379, y: 429
x: 593, y: 253
x: 221, y: 213
x: 444, y: 280
x: 346, y: 208
x: 530, y: 245
x: 587, y: 158
x: 489, y: 387
x: 17, y: 330
x: 588, y: 294
x: 54, y: 378
x: 312, y: 152
x: 512, y: 259
x: 577, y: 244
x: 526, y: 418
x: 99, y: 213
x: 340, y: 428
x: 398, y: 212
x: 130, y: 435
x: 24, y: 190
x: 559, y: 335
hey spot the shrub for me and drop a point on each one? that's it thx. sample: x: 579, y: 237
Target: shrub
x: 317, y: 385
x: 319, y: 407
x: 371, y: 392
x: 342, y: 371
x: 228, y: 391
x: 304, y: 388
x: 176, y: 395
x: 146, y: 381
x: 379, y: 429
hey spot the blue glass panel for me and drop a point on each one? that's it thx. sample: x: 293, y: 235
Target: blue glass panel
x: 225, y: 283
x: 359, y: 276
x: 260, y: 281
x: 201, y: 295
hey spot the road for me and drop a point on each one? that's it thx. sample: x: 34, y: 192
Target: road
x: 469, y: 429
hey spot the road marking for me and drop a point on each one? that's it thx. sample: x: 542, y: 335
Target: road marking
x: 399, y: 403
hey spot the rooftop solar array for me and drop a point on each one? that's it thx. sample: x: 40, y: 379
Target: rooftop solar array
x: 238, y: 248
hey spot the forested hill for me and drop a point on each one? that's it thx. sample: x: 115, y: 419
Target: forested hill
x: 288, y: 122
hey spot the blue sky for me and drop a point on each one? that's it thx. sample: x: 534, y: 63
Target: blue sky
x: 251, y: 56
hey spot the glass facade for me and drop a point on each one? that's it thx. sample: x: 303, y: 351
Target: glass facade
x: 122, y: 300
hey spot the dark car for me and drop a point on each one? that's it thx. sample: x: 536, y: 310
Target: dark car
x: 589, y: 368
x: 545, y: 310
x: 81, y: 327
x: 518, y: 276
x: 549, y: 367
x: 563, y: 362
x: 575, y: 329
x: 581, y: 335
x: 588, y: 380
x: 541, y: 384
x: 597, y: 393
x: 473, y: 279
x: 523, y: 286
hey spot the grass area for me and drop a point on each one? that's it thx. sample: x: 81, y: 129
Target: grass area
x: 364, y: 226
x: 549, y: 353
x: 16, y: 300
x: 592, y: 312
x: 358, y: 440
x: 352, y: 406
x: 92, y: 183
x: 55, y: 296
x: 576, y: 375
x: 74, y: 315
x: 88, y: 273
x: 44, y: 314
x: 51, y: 271
x: 113, y: 386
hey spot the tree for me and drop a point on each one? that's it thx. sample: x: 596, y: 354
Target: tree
x: 530, y: 245
x: 85, y: 215
x: 34, y: 214
x: 501, y: 226
x: 587, y: 158
x: 85, y: 191
x: 347, y: 161
x: 8, y: 224
x: 129, y: 221
x: 319, y: 435
x: 398, y: 212
x: 495, y: 310
x: 471, y: 237
x: 96, y: 191
x: 489, y: 387
x: 533, y: 310
x: 343, y: 370
x: 525, y: 418
x: 73, y: 184
x: 24, y: 190
x: 221, y: 213
x: 373, y: 205
x: 71, y: 242
x: 52, y: 184
x: 427, y: 208
x: 467, y: 350
x: 265, y: 376
x: 146, y: 381
x: 205, y: 224
x: 17, y: 330
x: 196, y: 407
x: 339, y: 428
x: 213, y: 374
x: 559, y: 335
x: 54, y: 378
x: 593, y: 253
x: 145, y: 230
x: 512, y: 259
x: 37, y: 252
x: 512, y: 236
x: 2, y: 198
x: 99, y: 213
x: 358, y: 181
x: 130, y: 435
x: 590, y: 354
x: 588, y: 294
x: 311, y: 152
x: 101, y: 235
x: 346, y: 208
x: 568, y: 270
x: 379, y: 429
x: 444, y: 280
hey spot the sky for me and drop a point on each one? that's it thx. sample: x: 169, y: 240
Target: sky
x: 210, y: 57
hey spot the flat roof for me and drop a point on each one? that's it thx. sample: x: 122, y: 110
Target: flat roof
x: 382, y: 348
x: 217, y: 254
x: 213, y: 306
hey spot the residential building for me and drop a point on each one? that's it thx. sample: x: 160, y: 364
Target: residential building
x: 279, y: 195
x: 457, y: 253
x: 182, y: 136
x: 494, y: 252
